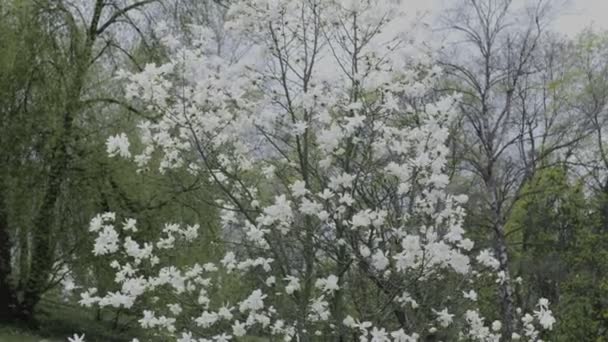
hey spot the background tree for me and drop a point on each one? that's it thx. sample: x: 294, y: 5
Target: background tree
x: 509, y: 122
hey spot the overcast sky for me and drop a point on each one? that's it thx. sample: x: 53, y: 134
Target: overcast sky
x: 581, y: 13
x: 574, y: 15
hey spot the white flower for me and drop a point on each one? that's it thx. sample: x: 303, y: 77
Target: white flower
x: 312, y: 208
x: 472, y: 295
x: 279, y: 212
x: 361, y: 219
x: 76, y: 338
x: 186, y: 337
x: 486, y: 258
x: 149, y: 320
x: 129, y: 225
x: 133, y: 250
x: 348, y: 200
x: 225, y: 313
x: 322, y: 215
x: 343, y: 180
x: 444, y: 318
x: 270, y: 281
x: 298, y: 188
x: 293, y: 284
x: 191, y: 232
x: 459, y: 262
x: 476, y: 325
x: 87, y: 299
x: 175, y: 309
x: 68, y: 285
x: 466, y: 244
x: 254, y: 302
x: 118, y: 145
x: 96, y: 223
x: 238, y: 329
x: 329, y: 284
x: 319, y: 309
x: 229, y: 261
x: 401, y: 336
x: 501, y: 277
x: 544, y: 315
x: 365, y: 252
x: 496, y: 325
x: 379, y: 261
x: 379, y: 335
x: 349, y: 321
x: 108, y: 217
x: 222, y: 338
x: 106, y: 242
x: 206, y: 319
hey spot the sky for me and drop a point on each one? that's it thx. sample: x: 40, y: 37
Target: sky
x: 572, y: 17
x: 580, y: 13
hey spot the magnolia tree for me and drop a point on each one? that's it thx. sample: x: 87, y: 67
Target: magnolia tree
x: 327, y: 148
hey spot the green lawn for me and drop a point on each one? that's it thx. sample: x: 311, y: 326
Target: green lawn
x: 13, y: 335
x: 57, y: 320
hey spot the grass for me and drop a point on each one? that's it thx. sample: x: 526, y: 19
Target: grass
x: 8, y: 334
x: 56, y: 320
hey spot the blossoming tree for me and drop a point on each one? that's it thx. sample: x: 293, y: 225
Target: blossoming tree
x: 327, y: 148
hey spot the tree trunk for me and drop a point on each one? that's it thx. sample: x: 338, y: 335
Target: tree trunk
x: 505, y: 287
x: 7, y: 292
x: 42, y: 237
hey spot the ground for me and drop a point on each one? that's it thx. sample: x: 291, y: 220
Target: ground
x: 15, y: 335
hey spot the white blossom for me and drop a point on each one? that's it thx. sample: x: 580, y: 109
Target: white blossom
x: 76, y: 338
x: 118, y: 145
x: 293, y: 284
x: 329, y: 284
x: 486, y: 258
x: 444, y: 318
